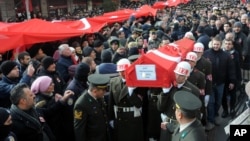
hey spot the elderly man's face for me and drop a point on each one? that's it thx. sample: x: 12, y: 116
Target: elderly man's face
x: 67, y: 52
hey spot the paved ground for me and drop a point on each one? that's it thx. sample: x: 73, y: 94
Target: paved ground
x: 218, y: 133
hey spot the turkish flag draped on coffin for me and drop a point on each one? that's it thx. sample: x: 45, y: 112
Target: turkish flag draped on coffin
x: 184, y: 45
x: 156, y: 68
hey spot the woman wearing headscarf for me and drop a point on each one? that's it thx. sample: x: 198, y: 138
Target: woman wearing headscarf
x: 51, y: 105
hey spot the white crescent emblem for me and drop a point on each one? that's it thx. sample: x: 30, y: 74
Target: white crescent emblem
x: 86, y: 24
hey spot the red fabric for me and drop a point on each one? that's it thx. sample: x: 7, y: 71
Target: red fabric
x: 16, y: 35
x: 169, y: 3
x: 87, y: 25
x: 123, y: 11
x: 184, y: 46
x: 111, y: 18
x: 243, y: 1
x: 186, y: 1
x: 33, y: 31
x: 145, y: 10
x: 173, y: 3
x: 164, y: 66
x: 160, y: 5
x: 74, y: 60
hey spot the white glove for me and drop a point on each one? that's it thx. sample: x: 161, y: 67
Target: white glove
x: 206, y: 100
x: 166, y: 90
x: 163, y: 117
x: 111, y: 123
x: 130, y: 90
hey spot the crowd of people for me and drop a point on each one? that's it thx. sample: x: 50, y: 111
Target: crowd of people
x: 75, y: 89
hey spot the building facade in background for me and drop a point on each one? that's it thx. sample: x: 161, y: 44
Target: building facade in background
x: 16, y: 9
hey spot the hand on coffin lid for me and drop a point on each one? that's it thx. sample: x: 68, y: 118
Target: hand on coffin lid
x: 166, y: 90
x: 163, y: 117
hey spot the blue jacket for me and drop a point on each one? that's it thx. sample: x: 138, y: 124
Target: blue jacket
x: 204, y: 39
x: 6, y: 85
x: 62, y: 67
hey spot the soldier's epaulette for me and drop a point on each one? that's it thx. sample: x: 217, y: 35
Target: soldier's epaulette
x: 187, y: 88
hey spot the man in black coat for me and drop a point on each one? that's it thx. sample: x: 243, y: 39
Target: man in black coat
x: 234, y: 54
x: 28, y: 123
x: 223, y: 69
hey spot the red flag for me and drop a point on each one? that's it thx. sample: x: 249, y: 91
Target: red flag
x: 243, y: 1
x: 186, y: 1
x: 160, y: 5
x: 173, y: 3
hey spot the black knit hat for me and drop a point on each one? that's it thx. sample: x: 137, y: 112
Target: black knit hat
x: 47, y: 61
x: 82, y: 72
x: 7, y: 66
x: 98, y: 43
x: 4, y: 115
x: 87, y: 51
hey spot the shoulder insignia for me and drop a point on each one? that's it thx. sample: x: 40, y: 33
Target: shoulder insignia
x: 183, y: 135
x: 77, y: 114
